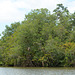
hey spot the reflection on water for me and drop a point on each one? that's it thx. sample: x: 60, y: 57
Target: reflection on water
x: 36, y: 71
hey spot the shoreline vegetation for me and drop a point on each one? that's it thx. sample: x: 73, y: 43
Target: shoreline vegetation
x: 41, y: 40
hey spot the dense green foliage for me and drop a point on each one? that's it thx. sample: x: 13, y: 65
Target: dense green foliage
x: 42, y: 39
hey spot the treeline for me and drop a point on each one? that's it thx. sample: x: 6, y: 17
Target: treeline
x: 41, y: 40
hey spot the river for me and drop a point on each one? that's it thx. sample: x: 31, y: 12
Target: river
x: 36, y: 71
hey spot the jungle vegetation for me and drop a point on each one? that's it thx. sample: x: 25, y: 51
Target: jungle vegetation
x: 42, y: 39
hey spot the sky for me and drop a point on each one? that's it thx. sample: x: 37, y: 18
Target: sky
x: 14, y: 10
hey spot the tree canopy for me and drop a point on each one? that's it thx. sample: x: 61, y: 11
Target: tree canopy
x: 42, y: 39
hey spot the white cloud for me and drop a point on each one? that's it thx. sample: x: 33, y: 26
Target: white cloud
x: 71, y: 6
x: 14, y: 10
x: 10, y: 9
x: 9, y: 12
